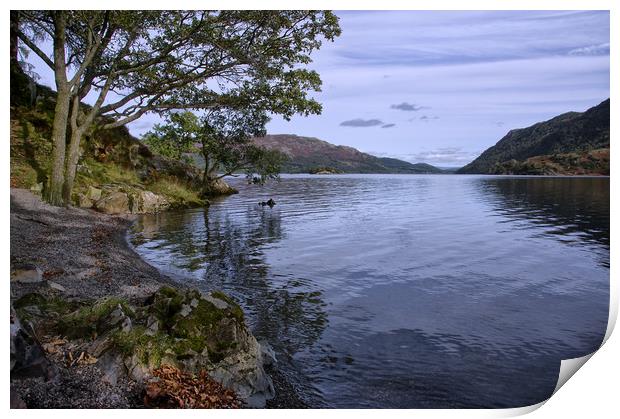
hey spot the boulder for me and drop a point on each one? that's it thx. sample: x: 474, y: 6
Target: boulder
x: 194, y: 333
x: 27, y: 357
x: 114, y: 203
x: 147, y: 202
x: 84, y: 201
x: 218, y: 187
x: 94, y: 193
x: 182, y: 328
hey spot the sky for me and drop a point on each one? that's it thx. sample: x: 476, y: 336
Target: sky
x: 442, y: 86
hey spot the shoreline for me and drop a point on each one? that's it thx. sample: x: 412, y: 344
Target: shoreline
x: 82, y: 254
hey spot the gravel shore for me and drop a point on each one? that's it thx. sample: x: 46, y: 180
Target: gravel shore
x: 87, y: 255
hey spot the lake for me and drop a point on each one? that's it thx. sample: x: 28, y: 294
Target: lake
x: 405, y: 291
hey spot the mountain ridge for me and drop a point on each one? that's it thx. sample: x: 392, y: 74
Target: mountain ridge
x: 572, y: 143
x: 306, y: 154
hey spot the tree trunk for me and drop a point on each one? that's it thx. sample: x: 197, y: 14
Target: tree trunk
x: 54, y: 192
x: 212, y: 185
x: 209, y: 186
x: 72, y: 158
x: 14, y: 30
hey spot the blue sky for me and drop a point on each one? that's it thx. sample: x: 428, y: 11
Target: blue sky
x: 441, y: 86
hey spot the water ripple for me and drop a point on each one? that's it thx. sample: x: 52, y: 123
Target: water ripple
x: 406, y: 291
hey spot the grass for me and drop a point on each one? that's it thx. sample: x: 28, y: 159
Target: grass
x: 176, y: 191
x: 97, y: 173
x: 31, y: 151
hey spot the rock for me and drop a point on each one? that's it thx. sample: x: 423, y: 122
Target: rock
x: 127, y: 199
x: 217, y: 188
x: 27, y: 357
x: 221, y: 304
x: 37, y: 188
x: 15, y: 328
x: 99, y: 346
x: 185, y: 310
x: 56, y: 286
x: 152, y: 325
x: 115, y: 203
x: 26, y: 273
x: 16, y: 401
x: 118, y: 317
x: 181, y: 328
x: 151, y: 203
x: 84, y: 201
x: 136, y: 369
x: 208, y: 332
x: 270, y: 203
x: 268, y: 354
x: 111, y: 365
x: 94, y: 193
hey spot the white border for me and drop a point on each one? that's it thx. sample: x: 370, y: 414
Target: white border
x: 592, y: 393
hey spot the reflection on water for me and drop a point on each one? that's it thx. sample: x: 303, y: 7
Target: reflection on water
x: 406, y: 291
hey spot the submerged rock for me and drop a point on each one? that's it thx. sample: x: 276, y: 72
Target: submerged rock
x: 171, y: 327
x: 269, y: 203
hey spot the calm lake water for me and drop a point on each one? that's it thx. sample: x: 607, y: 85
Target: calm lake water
x: 405, y: 291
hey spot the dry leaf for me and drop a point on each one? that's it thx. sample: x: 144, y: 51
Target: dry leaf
x: 174, y: 388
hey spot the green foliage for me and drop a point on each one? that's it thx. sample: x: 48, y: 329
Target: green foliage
x: 177, y: 137
x: 226, y: 143
x: 177, y: 192
x: 94, y: 173
x: 161, y: 61
x: 265, y: 163
x: 224, y: 138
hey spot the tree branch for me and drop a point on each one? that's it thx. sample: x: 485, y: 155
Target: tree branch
x: 35, y: 49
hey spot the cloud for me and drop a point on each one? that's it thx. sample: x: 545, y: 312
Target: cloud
x: 388, y: 125
x: 408, y: 107
x: 426, y: 118
x: 443, y: 155
x: 358, y: 122
x: 598, y: 49
x: 499, y: 124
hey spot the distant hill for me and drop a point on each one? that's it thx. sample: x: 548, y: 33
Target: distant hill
x: 311, y: 154
x: 574, y: 143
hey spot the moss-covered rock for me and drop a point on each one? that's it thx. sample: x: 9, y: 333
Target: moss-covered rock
x: 191, y: 331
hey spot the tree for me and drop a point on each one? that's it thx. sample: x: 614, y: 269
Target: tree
x: 176, y: 138
x: 135, y: 62
x: 223, y: 137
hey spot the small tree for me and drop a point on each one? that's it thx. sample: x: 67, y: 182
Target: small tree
x: 223, y: 137
x: 135, y: 62
x: 227, y: 147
